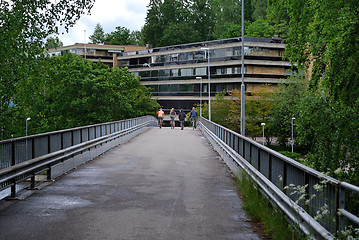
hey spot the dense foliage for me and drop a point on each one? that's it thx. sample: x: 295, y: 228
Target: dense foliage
x: 172, y: 22
x: 59, y: 92
x: 323, y: 37
x: 322, y: 40
x: 121, y: 36
x: 285, y: 106
x: 23, y: 27
x: 69, y: 91
x: 226, y: 110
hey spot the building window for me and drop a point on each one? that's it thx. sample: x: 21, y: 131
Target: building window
x: 174, y: 57
x: 125, y: 63
x: 199, y: 55
x: 187, y: 72
x: 174, y: 88
x: 164, y: 88
x: 154, y: 73
x: 153, y: 88
x: 145, y: 74
x: 185, y: 56
x: 200, y: 71
x: 237, y: 51
x: 220, y: 71
x: 224, y: 52
x: 237, y: 70
x: 175, y: 72
x: 160, y: 59
x: 186, y: 88
x: 164, y: 73
x: 205, y: 87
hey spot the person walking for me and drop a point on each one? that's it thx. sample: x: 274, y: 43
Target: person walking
x: 161, y: 116
x: 182, y: 118
x: 172, y: 115
x: 193, y: 117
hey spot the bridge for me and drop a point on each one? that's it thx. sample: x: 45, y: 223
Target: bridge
x: 132, y: 180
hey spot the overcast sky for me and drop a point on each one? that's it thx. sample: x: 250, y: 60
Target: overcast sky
x: 110, y: 14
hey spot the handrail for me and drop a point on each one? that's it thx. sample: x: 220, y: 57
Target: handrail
x: 266, y: 166
x: 84, y: 151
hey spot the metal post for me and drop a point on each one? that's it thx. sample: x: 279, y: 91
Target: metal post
x: 209, y: 85
x: 26, y: 150
x: 263, y: 124
x: 200, y: 96
x: 85, y: 42
x: 292, y: 140
x: 242, y: 85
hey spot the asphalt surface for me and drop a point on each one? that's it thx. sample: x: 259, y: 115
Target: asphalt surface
x: 163, y: 184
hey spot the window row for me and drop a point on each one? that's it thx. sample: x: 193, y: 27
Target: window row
x: 185, y: 72
x: 216, y: 53
x: 195, y: 88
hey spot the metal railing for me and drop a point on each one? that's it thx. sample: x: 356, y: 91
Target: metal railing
x: 60, y: 151
x: 299, y: 191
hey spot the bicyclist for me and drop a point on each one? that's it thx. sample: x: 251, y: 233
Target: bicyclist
x: 193, y: 117
x: 173, y: 115
x: 182, y: 118
x: 161, y: 116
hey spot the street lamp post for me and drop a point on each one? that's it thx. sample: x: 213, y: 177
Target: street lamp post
x: 200, y: 96
x: 292, y: 141
x: 242, y: 85
x: 263, y: 124
x: 209, y: 85
x: 27, y: 119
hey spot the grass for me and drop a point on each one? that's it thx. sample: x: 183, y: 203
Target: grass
x: 262, y: 212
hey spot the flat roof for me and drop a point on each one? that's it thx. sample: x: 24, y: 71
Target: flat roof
x: 111, y: 48
x: 275, y: 40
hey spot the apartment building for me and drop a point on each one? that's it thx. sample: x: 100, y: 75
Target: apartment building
x: 107, y: 54
x: 178, y: 75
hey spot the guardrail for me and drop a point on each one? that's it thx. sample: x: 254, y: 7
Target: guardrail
x: 299, y: 191
x: 60, y: 151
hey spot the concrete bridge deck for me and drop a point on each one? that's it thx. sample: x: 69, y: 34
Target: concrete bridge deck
x: 163, y: 184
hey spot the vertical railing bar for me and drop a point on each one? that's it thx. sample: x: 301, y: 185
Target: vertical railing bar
x: 13, y: 162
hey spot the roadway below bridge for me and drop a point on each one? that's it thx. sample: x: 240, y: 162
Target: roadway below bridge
x: 163, y: 184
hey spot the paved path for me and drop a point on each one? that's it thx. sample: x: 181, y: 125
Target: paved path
x: 164, y: 184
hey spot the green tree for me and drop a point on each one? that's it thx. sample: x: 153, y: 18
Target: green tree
x: 232, y: 30
x: 225, y: 14
x: 70, y: 91
x: 323, y: 37
x: 256, y: 109
x: 153, y: 29
x: 259, y: 9
x: 98, y: 35
x: 123, y: 36
x: 171, y: 22
x: 23, y: 27
x: 53, y: 42
x: 202, y: 20
x: 259, y: 28
x: 330, y: 131
x: 137, y: 38
x: 285, y: 107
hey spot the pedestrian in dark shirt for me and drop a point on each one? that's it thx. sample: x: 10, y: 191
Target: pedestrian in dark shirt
x: 182, y: 118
